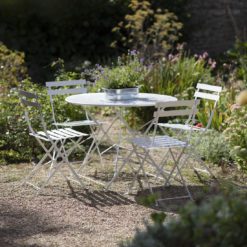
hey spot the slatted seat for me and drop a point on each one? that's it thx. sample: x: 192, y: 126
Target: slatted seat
x: 157, y: 142
x: 77, y: 123
x: 59, y: 134
x: 184, y: 127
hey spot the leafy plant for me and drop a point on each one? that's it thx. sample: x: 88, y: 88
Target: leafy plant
x: 148, y: 30
x: 12, y: 67
x: 239, y: 56
x: 212, y: 146
x: 129, y: 72
x: 219, y: 222
x: 15, y: 143
x: 84, y: 26
x: 236, y: 134
x: 175, y: 75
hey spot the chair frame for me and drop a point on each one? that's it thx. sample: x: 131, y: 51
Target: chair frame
x: 206, y: 92
x: 62, y: 90
x: 143, y: 153
x: 56, y: 138
x: 203, y: 91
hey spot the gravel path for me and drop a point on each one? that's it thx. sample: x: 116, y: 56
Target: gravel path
x: 64, y: 217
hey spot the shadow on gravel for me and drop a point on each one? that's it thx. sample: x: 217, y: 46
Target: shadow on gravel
x: 147, y: 199
x: 16, y: 224
x: 101, y: 198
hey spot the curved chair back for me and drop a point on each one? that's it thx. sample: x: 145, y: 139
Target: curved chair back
x: 32, y: 107
x: 208, y: 92
x: 55, y: 88
x: 172, y: 109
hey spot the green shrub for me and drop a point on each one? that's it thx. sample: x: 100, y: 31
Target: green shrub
x: 212, y: 146
x: 12, y: 67
x: 175, y: 75
x: 236, y: 134
x: 238, y: 57
x: 46, y: 30
x: 148, y: 30
x: 222, y: 111
x: 15, y: 143
x: 219, y: 222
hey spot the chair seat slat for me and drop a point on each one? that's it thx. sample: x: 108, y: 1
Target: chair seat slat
x: 59, y: 134
x: 77, y: 123
x: 157, y: 142
x: 66, y: 133
x: 180, y: 126
x: 74, y: 132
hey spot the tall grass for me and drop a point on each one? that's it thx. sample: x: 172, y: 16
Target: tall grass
x: 176, y: 74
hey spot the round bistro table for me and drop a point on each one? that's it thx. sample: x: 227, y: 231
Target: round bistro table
x: 99, y: 100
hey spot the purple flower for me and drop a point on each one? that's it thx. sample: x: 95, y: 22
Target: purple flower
x: 205, y: 55
x: 133, y: 52
x: 213, y: 65
x: 170, y: 56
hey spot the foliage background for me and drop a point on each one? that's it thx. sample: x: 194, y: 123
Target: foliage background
x: 73, y: 30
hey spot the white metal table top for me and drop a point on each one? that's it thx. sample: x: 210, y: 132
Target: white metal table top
x: 99, y: 99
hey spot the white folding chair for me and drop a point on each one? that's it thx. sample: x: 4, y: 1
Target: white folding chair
x: 56, y: 88
x: 205, y: 92
x: 52, y: 141
x: 145, y: 144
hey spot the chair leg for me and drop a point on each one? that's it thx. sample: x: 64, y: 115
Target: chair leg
x: 176, y: 163
x: 50, y: 177
x: 142, y: 161
x: 174, y: 167
x: 86, y: 159
x: 116, y: 173
x: 94, y: 134
x: 66, y: 161
x: 60, y: 152
x: 39, y: 165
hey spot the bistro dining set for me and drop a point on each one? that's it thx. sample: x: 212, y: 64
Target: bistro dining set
x: 142, y: 146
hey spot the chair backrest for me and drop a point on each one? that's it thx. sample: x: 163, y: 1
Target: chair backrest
x: 208, y: 92
x: 55, y: 88
x: 172, y: 109
x: 31, y: 106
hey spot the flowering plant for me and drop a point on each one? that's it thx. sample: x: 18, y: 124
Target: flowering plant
x: 128, y: 73
x: 236, y: 135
